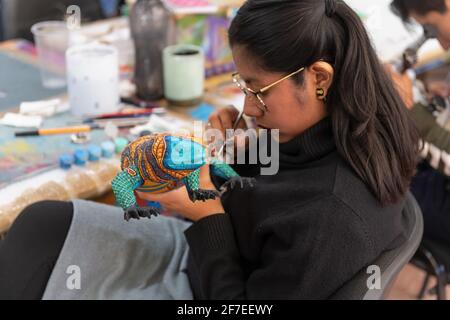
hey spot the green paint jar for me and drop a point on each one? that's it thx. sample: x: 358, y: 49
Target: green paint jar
x: 184, y: 74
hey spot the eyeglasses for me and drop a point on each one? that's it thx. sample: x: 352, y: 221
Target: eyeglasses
x: 256, y: 95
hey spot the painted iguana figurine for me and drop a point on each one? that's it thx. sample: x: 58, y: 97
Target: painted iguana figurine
x: 159, y: 163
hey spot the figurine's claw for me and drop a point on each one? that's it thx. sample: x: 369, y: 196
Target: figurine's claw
x: 131, y: 213
x: 230, y: 184
x: 135, y: 212
x: 148, y: 212
x: 203, y: 195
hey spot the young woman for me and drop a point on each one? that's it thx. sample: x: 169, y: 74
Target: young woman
x: 347, y: 153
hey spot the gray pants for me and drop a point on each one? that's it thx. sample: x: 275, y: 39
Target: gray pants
x: 105, y: 257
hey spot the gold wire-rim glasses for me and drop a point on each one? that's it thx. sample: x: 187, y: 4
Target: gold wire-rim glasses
x: 236, y: 79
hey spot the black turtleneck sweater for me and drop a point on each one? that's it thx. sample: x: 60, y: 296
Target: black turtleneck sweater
x: 299, y: 234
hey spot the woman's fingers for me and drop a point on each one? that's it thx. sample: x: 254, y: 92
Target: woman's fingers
x: 150, y: 196
x: 214, y: 121
x: 228, y: 116
x: 169, y: 200
x: 222, y: 120
x: 440, y: 88
x: 242, y: 124
x: 226, y: 120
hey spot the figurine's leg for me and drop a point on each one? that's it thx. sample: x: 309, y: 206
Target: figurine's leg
x: 192, y: 183
x: 223, y: 170
x: 123, y: 187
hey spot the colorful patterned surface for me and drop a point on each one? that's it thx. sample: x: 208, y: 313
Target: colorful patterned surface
x: 26, y: 157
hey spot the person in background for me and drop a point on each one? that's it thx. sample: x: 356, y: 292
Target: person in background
x: 431, y: 186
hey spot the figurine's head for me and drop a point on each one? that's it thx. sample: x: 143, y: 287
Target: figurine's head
x: 183, y: 154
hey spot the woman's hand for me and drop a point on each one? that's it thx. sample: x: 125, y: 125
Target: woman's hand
x: 178, y: 201
x: 224, y: 119
x: 403, y: 84
x: 440, y: 88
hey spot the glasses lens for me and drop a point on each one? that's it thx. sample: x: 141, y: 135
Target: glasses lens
x: 252, y: 96
x: 240, y: 83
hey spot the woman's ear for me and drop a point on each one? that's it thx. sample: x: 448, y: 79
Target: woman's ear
x: 323, y: 74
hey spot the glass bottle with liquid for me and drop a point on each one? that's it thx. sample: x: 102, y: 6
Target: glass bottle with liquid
x: 152, y: 29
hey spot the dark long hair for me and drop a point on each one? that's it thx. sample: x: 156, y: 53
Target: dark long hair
x: 372, y: 127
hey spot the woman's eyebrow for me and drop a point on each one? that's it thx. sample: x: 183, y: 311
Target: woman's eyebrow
x: 252, y: 81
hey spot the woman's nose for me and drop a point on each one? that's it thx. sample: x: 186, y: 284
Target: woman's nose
x: 251, y: 109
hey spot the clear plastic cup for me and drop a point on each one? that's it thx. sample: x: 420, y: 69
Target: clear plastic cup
x: 93, y: 79
x: 51, y: 40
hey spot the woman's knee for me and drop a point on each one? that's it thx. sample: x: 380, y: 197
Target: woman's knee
x: 42, y: 221
x: 45, y: 211
x: 31, y: 248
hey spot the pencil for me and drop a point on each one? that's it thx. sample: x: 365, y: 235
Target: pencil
x: 119, y: 116
x: 51, y: 131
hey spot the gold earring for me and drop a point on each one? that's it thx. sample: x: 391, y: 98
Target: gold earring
x: 320, y: 93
